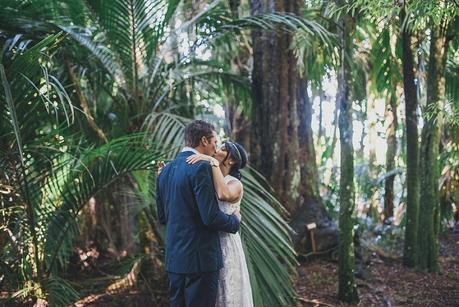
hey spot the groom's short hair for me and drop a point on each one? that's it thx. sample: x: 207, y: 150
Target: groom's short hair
x: 195, y: 130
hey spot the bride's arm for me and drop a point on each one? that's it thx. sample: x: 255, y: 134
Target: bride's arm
x: 230, y: 192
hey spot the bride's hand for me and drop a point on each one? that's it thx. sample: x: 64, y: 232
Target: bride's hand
x: 161, y: 165
x: 198, y: 157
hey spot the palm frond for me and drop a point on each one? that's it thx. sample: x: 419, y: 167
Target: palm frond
x: 60, y: 291
x: 267, y: 244
x: 385, y: 68
x: 306, y: 27
x: 34, y: 89
x: 99, y: 50
x: 133, y: 29
x: 77, y: 180
x: 452, y: 79
x: 167, y: 129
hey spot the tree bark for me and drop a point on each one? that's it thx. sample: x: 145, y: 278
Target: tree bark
x: 362, y: 116
x: 373, y: 205
x: 429, y: 216
x: 282, y: 147
x: 391, y: 124
x: 412, y: 148
x: 347, y: 289
x: 239, y: 124
x: 321, y: 100
x: 84, y: 105
x: 236, y: 112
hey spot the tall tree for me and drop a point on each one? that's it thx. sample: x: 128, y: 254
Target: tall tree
x: 282, y: 146
x: 412, y: 146
x: 391, y: 124
x: 429, y: 216
x: 237, y: 106
x: 347, y: 289
x: 386, y: 69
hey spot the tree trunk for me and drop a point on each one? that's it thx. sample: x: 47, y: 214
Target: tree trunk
x: 429, y: 205
x: 412, y: 149
x: 362, y: 116
x: 282, y: 147
x: 335, y: 129
x: 117, y: 217
x: 372, y: 119
x: 239, y: 124
x: 321, y: 101
x: 84, y: 104
x: 239, y: 121
x: 127, y: 217
x: 391, y: 124
x: 347, y: 289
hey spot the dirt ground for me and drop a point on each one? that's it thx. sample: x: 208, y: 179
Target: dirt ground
x: 385, y: 282
x: 381, y: 281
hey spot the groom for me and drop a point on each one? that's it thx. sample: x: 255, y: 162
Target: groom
x: 187, y: 205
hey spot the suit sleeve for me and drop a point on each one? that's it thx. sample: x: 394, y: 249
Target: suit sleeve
x: 207, y: 202
x: 159, y: 204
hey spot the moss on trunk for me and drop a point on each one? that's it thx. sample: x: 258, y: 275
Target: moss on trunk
x: 412, y: 149
x: 347, y: 289
x: 391, y: 122
x: 429, y: 204
x: 282, y: 146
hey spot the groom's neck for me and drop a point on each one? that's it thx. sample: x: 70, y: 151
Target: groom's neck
x: 200, y: 149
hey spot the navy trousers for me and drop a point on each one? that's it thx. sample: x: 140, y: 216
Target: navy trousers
x: 193, y: 290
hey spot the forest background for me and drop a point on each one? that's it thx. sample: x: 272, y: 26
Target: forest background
x: 349, y: 111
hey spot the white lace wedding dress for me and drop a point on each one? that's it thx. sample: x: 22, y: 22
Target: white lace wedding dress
x: 234, y: 288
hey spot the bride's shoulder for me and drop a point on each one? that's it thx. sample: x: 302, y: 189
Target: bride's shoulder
x: 233, y: 180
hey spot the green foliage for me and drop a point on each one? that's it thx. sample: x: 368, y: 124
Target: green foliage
x: 452, y: 77
x: 385, y: 59
x: 50, y: 176
x: 116, y: 48
x: 267, y: 244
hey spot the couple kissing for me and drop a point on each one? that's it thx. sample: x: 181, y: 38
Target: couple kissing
x: 198, y: 197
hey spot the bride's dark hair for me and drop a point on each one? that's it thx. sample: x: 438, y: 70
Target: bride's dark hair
x: 237, y: 153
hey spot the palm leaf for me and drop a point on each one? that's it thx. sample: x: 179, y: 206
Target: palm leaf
x: 61, y: 292
x: 99, y: 50
x: 168, y: 130
x: 385, y: 69
x: 133, y: 29
x: 16, y: 139
x: 77, y: 180
x: 267, y: 244
x: 452, y: 79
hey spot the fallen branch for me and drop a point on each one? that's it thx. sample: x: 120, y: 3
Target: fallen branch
x: 127, y: 281
x: 315, y: 302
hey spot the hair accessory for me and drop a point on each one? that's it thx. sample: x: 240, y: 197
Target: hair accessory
x: 237, y: 150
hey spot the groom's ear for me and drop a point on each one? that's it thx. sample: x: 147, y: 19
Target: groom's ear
x: 204, y: 141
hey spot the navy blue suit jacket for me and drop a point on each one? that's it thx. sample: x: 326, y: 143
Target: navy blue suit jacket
x: 187, y: 205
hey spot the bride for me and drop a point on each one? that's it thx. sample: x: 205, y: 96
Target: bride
x: 233, y: 284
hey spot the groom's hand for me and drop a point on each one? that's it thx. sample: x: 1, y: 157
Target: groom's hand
x: 237, y: 213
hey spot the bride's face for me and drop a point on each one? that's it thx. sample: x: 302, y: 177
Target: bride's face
x: 221, y: 153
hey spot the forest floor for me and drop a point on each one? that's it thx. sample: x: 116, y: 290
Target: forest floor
x: 382, y: 280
